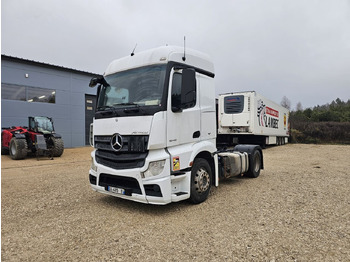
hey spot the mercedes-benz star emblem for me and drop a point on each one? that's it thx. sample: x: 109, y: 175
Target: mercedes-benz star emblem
x: 116, y: 142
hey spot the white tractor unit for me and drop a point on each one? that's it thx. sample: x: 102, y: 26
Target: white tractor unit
x: 155, y: 130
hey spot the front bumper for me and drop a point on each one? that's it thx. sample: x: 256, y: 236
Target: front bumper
x: 128, y: 183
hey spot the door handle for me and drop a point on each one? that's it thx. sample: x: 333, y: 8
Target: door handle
x: 196, y: 134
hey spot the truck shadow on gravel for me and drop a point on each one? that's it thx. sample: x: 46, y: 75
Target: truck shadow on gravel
x: 136, y: 207
x: 120, y: 205
x: 228, y: 183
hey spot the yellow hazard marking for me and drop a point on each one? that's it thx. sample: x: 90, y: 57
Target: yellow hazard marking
x: 176, y: 163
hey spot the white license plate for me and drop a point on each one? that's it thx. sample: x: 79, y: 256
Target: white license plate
x: 116, y: 190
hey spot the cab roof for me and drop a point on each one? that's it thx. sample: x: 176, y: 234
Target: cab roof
x: 162, y: 55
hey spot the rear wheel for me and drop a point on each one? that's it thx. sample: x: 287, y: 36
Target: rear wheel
x: 254, y: 164
x: 18, y: 148
x: 58, y: 147
x: 4, y: 150
x: 201, y: 180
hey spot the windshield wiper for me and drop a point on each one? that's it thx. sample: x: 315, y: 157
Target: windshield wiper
x: 104, y: 107
x: 113, y: 109
x: 116, y: 106
x: 110, y: 110
x: 134, y: 108
x: 127, y: 104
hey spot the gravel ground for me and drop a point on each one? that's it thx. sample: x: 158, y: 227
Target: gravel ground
x: 297, y: 210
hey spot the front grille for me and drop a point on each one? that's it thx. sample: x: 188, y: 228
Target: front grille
x: 130, y: 143
x: 120, y: 161
x: 129, y: 184
x: 132, y: 154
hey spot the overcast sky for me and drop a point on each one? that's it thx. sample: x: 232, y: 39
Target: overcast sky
x: 296, y: 48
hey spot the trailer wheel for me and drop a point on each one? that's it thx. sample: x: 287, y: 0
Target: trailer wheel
x: 18, y: 148
x: 201, y: 180
x: 58, y: 147
x: 254, y: 164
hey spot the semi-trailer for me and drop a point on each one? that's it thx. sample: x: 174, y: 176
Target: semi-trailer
x: 249, y: 117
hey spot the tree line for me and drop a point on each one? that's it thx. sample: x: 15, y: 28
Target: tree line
x: 329, y: 123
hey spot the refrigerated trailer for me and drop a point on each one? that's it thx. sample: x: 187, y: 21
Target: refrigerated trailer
x: 248, y: 117
x: 155, y: 130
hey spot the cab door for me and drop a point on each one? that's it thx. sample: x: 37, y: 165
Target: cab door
x: 183, y: 114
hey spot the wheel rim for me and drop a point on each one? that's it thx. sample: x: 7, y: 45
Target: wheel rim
x: 257, y: 163
x: 13, y: 149
x: 202, y: 180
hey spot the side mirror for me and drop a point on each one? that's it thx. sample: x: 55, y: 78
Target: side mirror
x: 93, y: 82
x: 98, y: 80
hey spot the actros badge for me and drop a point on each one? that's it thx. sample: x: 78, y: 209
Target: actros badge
x: 117, y: 142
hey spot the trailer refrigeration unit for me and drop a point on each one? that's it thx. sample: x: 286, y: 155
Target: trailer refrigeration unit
x: 155, y: 130
x: 248, y: 117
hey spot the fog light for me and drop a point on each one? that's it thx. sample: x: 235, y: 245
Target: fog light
x: 154, y: 169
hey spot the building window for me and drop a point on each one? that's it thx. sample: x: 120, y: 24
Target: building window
x: 13, y: 92
x: 27, y: 93
x: 43, y: 95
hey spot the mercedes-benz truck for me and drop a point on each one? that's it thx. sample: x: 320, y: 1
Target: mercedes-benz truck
x: 155, y: 130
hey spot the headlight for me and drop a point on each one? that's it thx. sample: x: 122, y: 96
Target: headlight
x: 154, y: 169
x: 93, y: 167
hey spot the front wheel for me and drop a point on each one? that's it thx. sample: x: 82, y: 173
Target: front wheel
x: 58, y: 147
x: 201, y: 180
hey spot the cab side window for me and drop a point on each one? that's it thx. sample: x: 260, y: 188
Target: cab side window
x: 183, y: 91
x: 176, y: 91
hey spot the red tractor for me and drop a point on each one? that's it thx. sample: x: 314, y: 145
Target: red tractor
x: 39, y: 138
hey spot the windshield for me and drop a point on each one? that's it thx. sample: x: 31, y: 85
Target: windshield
x: 44, y: 125
x: 141, y: 86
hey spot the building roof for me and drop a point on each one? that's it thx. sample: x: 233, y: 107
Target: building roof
x: 27, y: 61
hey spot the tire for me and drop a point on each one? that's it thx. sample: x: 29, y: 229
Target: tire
x: 201, y: 180
x: 4, y: 150
x: 58, y: 147
x: 254, y: 164
x: 18, y: 148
